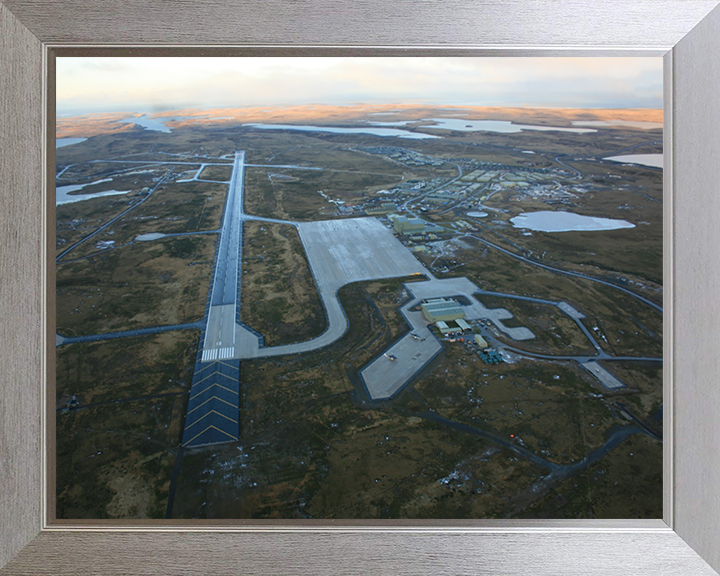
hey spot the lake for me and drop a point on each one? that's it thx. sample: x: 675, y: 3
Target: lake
x: 63, y: 196
x: 462, y: 125
x: 550, y: 221
x: 338, y: 130
x: 620, y: 123
x: 653, y: 160
x: 151, y: 123
x: 60, y: 142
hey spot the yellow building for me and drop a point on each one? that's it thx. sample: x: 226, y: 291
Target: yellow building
x: 480, y: 341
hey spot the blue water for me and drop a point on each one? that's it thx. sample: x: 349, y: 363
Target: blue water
x: 337, y: 130
x: 549, y: 221
x: 60, y: 142
x: 463, y: 125
x: 157, y: 124
x: 63, y: 196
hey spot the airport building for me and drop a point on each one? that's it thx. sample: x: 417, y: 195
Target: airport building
x: 464, y: 326
x: 406, y: 226
x: 444, y: 328
x: 480, y: 341
x: 384, y: 208
x: 430, y: 227
x: 442, y: 309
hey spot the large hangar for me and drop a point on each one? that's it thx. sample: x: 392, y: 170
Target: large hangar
x: 442, y: 310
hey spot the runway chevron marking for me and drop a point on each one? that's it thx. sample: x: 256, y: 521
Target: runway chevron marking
x: 215, y: 384
x: 211, y: 375
x: 208, y: 400
x: 206, y: 367
x: 206, y: 429
x: 208, y: 414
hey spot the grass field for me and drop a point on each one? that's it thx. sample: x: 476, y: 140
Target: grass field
x: 279, y: 297
x: 555, y: 332
x: 221, y: 173
x: 627, y: 483
x: 147, y: 284
x: 311, y: 444
x: 115, y: 454
x: 625, y: 326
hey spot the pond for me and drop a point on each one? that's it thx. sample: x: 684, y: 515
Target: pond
x: 342, y: 130
x: 60, y: 142
x: 63, y: 196
x: 550, y: 221
x: 503, y: 126
x: 652, y: 160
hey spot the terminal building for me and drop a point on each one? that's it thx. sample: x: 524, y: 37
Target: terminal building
x: 442, y: 309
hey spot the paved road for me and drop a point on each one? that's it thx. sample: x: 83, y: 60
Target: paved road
x: 153, y: 236
x: 475, y: 310
x: 418, y: 198
x: 383, y: 377
x: 519, y: 450
x: 273, y: 220
x: 109, y: 222
x: 339, y: 252
x: 473, y: 195
x: 60, y: 340
x: 582, y: 358
x: 195, y: 176
x: 173, y: 163
x: 213, y: 412
x: 562, y: 306
x: 557, y: 471
x: 649, y: 431
x: 567, y: 272
x: 557, y: 159
x: 292, y: 166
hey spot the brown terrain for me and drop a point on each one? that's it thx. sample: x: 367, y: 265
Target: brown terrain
x: 94, y: 124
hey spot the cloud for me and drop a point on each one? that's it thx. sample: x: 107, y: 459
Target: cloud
x: 148, y: 83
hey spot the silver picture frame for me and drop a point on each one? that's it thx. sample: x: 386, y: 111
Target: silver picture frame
x: 685, y: 32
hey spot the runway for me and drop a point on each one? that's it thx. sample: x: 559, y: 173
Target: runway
x: 220, y: 336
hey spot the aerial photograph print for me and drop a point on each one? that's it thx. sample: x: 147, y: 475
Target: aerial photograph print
x: 327, y: 288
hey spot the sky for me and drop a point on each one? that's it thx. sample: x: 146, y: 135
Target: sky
x: 149, y: 84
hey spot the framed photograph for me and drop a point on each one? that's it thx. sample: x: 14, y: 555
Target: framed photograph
x: 302, y: 292
x: 444, y: 195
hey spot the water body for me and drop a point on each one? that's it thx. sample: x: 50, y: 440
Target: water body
x: 462, y: 125
x: 549, y: 221
x: 337, y: 130
x: 157, y: 124
x: 148, y: 237
x: 653, y: 160
x: 621, y: 123
x: 60, y: 142
x: 63, y: 196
